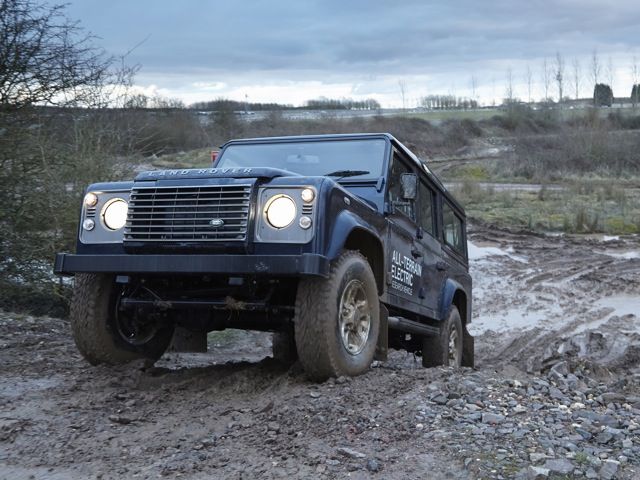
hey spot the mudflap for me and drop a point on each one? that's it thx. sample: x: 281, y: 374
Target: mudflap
x: 188, y: 341
x: 468, y: 349
x: 382, y: 348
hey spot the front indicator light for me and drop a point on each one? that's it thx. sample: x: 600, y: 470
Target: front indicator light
x: 114, y: 214
x: 305, y: 222
x: 90, y: 199
x: 280, y: 211
x: 307, y: 195
x: 88, y: 224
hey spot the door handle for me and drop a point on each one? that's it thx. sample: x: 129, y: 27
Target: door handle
x: 415, y: 253
x: 441, y: 266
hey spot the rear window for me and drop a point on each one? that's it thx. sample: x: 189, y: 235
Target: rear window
x: 452, y: 229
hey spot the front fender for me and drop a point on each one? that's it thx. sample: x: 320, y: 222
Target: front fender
x: 345, y: 223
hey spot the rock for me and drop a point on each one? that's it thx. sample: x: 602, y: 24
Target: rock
x: 604, y: 437
x: 556, y: 393
x: 492, y: 418
x: 610, y: 397
x: 537, y: 457
x: 350, y: 453
x: 560, y: 466
x: 561, y: 368
x: 120, y: 419
x: 273, y: 427
x: 519, y: 409
x: 609, y: 469
x: 440, y: 398
x: 373, y: 465
x: 537, y: 473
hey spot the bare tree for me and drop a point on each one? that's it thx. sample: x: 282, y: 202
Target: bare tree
x: 509, y: 89
x: 559, y: 76
x: 596, y: 68
x: 635, y: 90
x: 610, y: 71
x: 493, y: 91
x: 546, y: 79
x: 403, y: 92
x: 575, y: 64
x: 529, y: 80
x: 45, y: 58
x: 474, y: 86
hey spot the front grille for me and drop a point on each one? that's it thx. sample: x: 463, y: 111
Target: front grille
x: 207, y: 213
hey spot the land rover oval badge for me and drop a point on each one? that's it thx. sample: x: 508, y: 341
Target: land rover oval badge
x: 216, y: 222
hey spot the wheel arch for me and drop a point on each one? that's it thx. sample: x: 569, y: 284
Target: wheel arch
x: 352, y: 233
x: 455, y: 294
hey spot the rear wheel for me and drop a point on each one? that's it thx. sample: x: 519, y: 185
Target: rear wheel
x: 106, y: 334
x: 337, y: 320
x: 445, y: 348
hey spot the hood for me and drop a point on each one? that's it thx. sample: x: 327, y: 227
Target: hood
x: 260, y: 172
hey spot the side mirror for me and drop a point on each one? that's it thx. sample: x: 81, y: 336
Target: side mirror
x: 409, y: 182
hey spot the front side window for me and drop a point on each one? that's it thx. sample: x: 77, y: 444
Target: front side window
x: 352, y: 159
x: 425, y: 208
x: 398, y: 167
x: 452, y: 229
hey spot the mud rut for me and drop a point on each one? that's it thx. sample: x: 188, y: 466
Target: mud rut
x: 540, y: 302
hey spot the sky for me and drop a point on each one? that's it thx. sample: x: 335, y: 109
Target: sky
x: 289, y: 51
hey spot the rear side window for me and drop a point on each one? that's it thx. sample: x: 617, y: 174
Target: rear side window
x: 452, y: 229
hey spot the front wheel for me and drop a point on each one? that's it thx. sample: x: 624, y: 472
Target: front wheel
x: 337, y: 320
x: 104, y: 333
x: 445, y: 348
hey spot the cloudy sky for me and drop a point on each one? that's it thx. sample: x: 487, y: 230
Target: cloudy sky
x: 289, y: 51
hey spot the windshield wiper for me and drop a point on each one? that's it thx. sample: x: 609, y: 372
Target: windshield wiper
x: 346, y: 173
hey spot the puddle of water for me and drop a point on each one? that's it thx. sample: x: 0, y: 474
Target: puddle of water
x: 477, y: 253
x: 621, y: 304
x: 625, y: 255
x: 618, y: 305
x: 518, y: 318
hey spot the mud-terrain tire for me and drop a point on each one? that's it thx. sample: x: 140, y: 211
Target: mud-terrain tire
x: 337, y: 319
x: 283, y: 346
x: 444, y: 349
x: 95, y: 329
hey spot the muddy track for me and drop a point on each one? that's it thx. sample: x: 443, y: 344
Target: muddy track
x: 557, y: 391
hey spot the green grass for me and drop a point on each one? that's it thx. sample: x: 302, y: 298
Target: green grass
x: 577, y: 209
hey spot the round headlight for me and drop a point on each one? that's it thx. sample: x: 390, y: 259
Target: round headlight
x: 281, y: 211
x: 114, y: 214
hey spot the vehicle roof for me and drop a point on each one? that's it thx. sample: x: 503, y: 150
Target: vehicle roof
x: 354, y: 136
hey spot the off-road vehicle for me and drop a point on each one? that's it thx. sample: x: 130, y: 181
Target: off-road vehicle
x: 342, y: 245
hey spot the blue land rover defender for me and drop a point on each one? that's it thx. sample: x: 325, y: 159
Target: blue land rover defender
x: 342, y: 245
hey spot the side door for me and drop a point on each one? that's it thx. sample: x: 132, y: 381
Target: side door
x: 433, y: 272
x: 404, y: 265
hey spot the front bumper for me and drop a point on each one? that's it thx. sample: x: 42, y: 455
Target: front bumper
x: 289, y: 265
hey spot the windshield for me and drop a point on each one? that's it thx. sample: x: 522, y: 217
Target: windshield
x: 355, y: 159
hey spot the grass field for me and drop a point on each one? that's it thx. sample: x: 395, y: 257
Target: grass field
x: 580, y: 207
